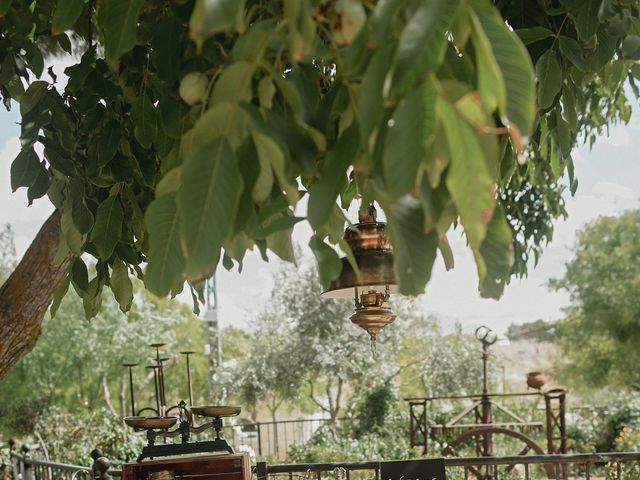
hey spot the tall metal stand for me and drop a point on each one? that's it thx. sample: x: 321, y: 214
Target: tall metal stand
x: 554, y: 401
x: 213, y: 332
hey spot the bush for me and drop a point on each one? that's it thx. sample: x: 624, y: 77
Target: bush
x: 379, y: 431
x: 615, y: 428
x: 70, y: 437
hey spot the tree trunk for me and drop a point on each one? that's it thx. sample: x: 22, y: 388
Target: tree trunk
x: 273, y: 408
x: 122, y: 398
x: 27, y: 293
x: 336, y: 404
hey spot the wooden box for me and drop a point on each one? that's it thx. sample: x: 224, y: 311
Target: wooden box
x: 235, y: 466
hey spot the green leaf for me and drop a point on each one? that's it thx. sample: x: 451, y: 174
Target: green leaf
x: 329, y: 263
x: 280, y: 243
x: 82, y: 216
x: 251, y: 45
x: 34, y: 58
x: 384, y: 15
x: 168, y: 42
x: 469, y: 178
x: 270, y: 151
x: 58, y: 158
x: 107, y: 229
x: 289, y: 93
x: 631, y: 47
x: 569, y: 107
x: 40, y: 185
x: 208, y: 201
x: 274, y: 225
x: 446, y: 252
x: 79, y: 276
x: 333, y: 177
x: 264, y: 183
x: 234, y: 84
x: 119, y: 24
x: 563, y: 134
x: 491, y: 84
x: 171, y: 117
x: 25, y: 169
x: 585, y: 16
x: 210, y: 17
x: 65, y: 15
x: 371, y: 101
x: 495, y: 257
x: 121, y: 285
x: 533, y: 34
x: 515, y: 84
x: 170, y: 182
x: 301, y: 28
x: 72, y: 237
x: 549, y: 76
x: 573, y: 52
x: 225, y: 120
x: 104, y: 145
x: 166, y: 260
x: 92, y: 298
x: 266, y: 91
x: 555, y: 159
x: 145, y: 117
x: 404, y: 151
x: 469, y: 106
x: 32, y: 96
x: 414, y: 250
x: 422, y: 43
x: 59, y: 294
x: 64, y: 42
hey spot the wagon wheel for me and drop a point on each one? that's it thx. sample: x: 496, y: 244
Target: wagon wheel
x: 479, y: 433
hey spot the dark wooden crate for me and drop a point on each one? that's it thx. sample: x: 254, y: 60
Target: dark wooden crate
x: 196, y: 467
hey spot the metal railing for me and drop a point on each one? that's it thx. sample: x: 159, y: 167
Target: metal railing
x: 24, y: 467
x: 275, y: 439
x: 615, y: 465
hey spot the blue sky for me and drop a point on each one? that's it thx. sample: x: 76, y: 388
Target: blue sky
x: 609, y: 177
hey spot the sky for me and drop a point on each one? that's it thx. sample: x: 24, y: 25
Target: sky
x: 609, y: 183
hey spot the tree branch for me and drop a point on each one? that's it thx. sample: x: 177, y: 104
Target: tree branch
x: 401, y: 368
x: 313, y: 398
x: 107, y: 396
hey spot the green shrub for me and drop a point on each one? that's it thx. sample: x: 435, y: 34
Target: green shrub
x: 615, y: 427
x: 378, y: 432
x: 70, y: 437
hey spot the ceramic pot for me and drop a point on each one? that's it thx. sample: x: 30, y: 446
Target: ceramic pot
x: 536, y: 380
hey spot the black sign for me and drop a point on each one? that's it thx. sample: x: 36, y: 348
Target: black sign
x: 413, y: 470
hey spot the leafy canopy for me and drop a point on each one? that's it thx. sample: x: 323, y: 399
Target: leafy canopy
x: 188, y: 131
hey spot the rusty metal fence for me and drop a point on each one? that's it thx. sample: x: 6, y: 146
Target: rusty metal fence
x: 609, y: 466
x: 616, y: 465
x: 24, y: 467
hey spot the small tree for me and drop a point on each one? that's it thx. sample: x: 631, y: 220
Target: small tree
x: 600, y: 331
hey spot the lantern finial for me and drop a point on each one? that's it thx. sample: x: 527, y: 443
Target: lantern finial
x: 373, y: 281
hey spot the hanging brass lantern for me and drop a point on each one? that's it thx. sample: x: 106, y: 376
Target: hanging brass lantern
x: 371, y: 290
